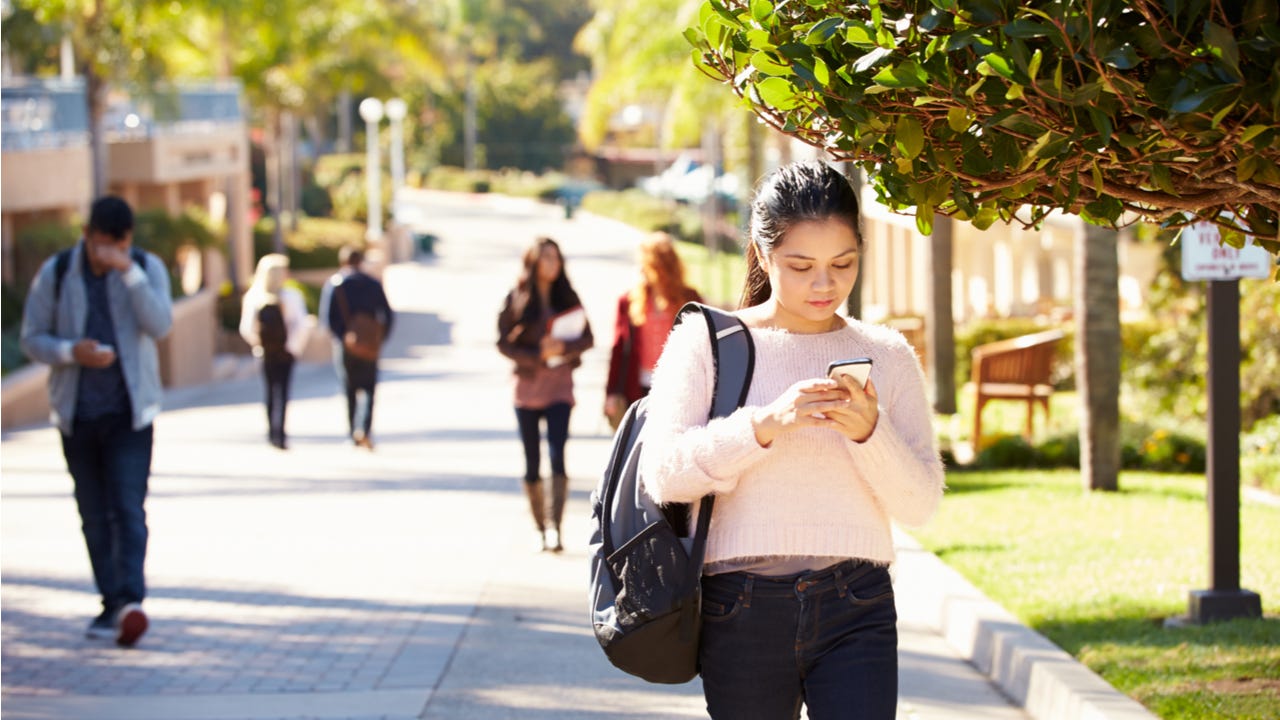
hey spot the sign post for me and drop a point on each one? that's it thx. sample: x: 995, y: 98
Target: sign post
x: 1204, y: 257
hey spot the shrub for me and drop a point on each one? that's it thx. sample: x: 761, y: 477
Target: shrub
x: 163, y: 234
x: 1260, y: 454
x: 34, y: 244
x: 315, y: 244
x: 1167, y: 358
x: 1060, y: 451
x: 1167, y: 451
x: 1009, y: 451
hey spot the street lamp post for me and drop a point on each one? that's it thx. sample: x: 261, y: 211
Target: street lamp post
x: 396, y: 110
x: 371, y: 112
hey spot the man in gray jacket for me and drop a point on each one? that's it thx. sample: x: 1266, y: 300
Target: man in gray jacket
x: 93, y: 314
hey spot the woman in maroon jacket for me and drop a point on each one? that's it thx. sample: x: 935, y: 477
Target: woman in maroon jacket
x: 646, y: 313
x: 544, y: 365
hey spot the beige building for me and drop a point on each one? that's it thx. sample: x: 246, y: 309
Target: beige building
x: 196, y: 153
x: 193, y: 154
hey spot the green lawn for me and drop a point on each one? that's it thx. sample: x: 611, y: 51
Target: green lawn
x: 1098, y: 573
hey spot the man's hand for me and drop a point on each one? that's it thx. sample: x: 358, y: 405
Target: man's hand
x: 89, y: 353
x: 112, y: 256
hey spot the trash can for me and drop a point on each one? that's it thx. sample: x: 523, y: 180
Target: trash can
x: 426, y: 243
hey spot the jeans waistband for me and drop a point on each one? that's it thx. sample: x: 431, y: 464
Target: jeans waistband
x: 833, y: 577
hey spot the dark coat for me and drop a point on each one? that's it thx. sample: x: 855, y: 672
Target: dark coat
x: 520, y: 335
x: 363, y: 294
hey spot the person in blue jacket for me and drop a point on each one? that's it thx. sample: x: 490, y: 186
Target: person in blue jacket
x: 94, y: 314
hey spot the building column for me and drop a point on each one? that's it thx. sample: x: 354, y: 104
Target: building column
x: 239, y: 229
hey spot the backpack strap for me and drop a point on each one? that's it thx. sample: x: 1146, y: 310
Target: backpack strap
x: 733, y: 358
x: 62, y: 261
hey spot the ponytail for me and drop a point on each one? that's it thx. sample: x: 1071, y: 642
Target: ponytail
x: 755, y: 289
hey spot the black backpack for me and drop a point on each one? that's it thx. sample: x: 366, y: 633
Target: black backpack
x: 272, y: 332
x: 646, y: 575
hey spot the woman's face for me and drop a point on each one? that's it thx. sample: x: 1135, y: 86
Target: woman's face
x: 548, y: 264
x: 811, y: 273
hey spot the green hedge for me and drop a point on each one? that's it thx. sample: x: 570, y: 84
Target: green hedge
x: 1155, y: 450
x: 314, y: 245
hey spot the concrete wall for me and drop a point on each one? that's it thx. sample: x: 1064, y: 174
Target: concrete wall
x: 186, y: 353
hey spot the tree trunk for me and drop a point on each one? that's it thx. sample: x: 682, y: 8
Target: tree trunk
x: 940, y: 331
x: 271, y: 155
x: 95, y: 93
x: 854, y: 304
x: 469, y: 118
x: 1097, y: 356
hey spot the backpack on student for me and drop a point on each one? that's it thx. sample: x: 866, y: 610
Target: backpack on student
x: 363, y: 335
x: 272, y: 332
x: 646, y: 576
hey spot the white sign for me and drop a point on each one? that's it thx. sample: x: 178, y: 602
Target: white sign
x: 1204, y: 257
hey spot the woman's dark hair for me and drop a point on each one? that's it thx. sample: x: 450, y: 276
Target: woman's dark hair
x: 111, y: 215
x: 527, y: 303
x: 809, y: 191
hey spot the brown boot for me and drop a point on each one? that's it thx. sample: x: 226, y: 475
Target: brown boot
x: 538, y: 507
x: 559, y: 493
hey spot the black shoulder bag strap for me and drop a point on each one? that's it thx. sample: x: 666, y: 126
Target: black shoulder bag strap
x: 62, y: 261
x: 733, y: 357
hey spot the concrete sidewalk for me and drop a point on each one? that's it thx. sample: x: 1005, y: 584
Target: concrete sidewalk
x: 327, y: 582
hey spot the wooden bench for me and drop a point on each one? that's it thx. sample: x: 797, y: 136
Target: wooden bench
x: 1015, y: 369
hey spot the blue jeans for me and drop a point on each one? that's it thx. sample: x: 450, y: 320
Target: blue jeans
x: 557, y: 417
x: 110, y: 463
x: 828, y: 639
x: 360, y: 378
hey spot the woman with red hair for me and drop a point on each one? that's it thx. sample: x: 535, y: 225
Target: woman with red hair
x: 646, y: 313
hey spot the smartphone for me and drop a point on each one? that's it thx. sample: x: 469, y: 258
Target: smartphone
x: 858, y: 368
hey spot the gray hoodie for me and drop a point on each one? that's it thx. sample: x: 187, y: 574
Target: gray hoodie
x: 141, y: 311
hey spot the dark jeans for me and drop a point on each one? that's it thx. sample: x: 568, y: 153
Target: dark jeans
x: 828, y: 639
x: 360, y: 378
x: 110, y: 464
x: 557, y: 417
x: 277, y: 373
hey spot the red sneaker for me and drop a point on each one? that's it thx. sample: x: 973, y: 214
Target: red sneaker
x: 131, y: 623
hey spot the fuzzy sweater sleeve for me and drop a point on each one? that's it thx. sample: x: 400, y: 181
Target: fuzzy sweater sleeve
x: 686, y: 457
x: 899, y: 461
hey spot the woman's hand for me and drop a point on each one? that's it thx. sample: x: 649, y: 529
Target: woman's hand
x: 839, y: 405
x: 614, y: 405
x: 804, y: 404
x: 857, y: 418
x: 551, y: 347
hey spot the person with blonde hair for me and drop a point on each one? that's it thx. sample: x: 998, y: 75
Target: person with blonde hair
x: 646, y: 313
x: 273, y: 322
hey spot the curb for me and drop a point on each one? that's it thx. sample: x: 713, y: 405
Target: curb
x: 1037, y: 675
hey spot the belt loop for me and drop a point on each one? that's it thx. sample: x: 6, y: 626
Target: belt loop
x: 839, y: 581
x: 746, y: 592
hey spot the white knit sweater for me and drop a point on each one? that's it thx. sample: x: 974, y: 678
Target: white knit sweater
x: 812, y: 492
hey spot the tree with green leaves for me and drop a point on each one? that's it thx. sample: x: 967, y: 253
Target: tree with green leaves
x: 1004, y: 110
x: 1000, y: 110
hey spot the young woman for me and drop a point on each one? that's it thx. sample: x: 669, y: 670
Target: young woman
x: 273, y: 322
x: 544, y: 365
x: 646, y: 313
x: 797, y: 602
